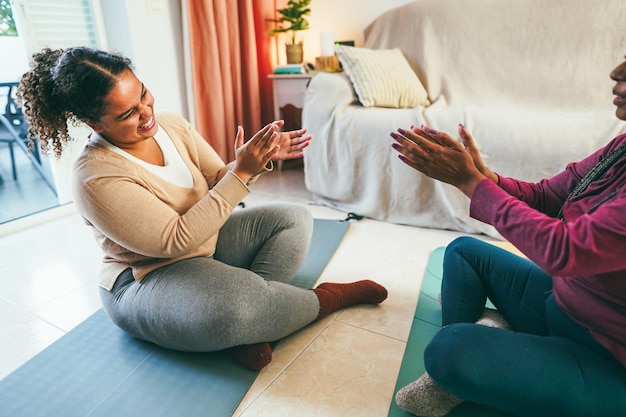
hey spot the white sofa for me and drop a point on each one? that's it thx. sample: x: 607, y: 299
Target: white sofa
x: 529, y: 79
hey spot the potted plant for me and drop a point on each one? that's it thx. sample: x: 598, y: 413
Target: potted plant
x: 292, y: 20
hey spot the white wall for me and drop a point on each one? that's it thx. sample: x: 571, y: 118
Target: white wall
x: 13, y: 53
x: 149, y: 32
x: 346, y: 18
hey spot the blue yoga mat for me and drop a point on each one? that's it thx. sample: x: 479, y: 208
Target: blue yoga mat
x: 427, y: 322
x: 97, y: 370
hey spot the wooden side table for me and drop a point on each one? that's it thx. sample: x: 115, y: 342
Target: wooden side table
x: 289, y: 91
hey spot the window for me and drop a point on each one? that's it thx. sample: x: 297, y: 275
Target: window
x: 54, y: 24
x: 7, y: 23
x: 58, y: 24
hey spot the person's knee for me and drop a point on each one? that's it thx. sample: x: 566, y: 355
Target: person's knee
x: 459, y: 245
x: 440, y: 352
x: 289, y: 216
x: 449, y: 355
x: 299, y: 215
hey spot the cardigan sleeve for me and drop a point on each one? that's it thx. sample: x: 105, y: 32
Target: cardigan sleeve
x: 147, y: 220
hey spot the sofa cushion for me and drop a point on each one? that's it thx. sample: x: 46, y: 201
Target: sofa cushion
x: 382, y: 78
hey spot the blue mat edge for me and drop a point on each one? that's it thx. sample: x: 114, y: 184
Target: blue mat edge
x: 421, y: 333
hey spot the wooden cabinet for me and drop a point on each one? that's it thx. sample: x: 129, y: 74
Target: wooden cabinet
x: 289, y: 91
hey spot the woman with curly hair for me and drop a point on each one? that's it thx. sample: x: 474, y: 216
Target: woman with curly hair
x: 181, y: 267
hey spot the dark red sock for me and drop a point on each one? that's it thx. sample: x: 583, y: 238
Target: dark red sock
x: 332, y: 296
x: 254, y: 357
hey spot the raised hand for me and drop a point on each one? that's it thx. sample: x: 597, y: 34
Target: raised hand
x: 252, y: 156
x: 292, y: 143
x: 468, y: 142
x: 438, y: 156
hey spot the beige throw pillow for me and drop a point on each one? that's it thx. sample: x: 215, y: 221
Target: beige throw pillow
x: 382, y: 77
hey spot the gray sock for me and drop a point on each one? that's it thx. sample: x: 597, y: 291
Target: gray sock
x: 493, y: 318
x: 426, y: 398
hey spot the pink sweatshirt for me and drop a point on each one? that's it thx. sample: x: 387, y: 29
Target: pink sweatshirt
x: 585, y: 252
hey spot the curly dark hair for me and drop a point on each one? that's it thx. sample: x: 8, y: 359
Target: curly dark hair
x: 67, y: 85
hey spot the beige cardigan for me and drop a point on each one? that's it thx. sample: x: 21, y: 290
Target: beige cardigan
x: 144, y: 222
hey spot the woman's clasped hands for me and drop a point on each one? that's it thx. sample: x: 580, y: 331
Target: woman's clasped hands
x: 443, y: 158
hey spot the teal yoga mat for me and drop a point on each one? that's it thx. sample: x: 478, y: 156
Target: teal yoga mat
x: 427, y: 322
x: 97, y: 370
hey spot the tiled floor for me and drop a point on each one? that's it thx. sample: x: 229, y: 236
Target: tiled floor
x: 344, y: 365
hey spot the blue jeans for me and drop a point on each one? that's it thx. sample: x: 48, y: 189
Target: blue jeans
x: 547, y: 366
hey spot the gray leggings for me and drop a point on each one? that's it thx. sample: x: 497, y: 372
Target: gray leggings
x: 239, y: 296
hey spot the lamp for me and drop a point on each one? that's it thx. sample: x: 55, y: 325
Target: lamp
x: 327, y: 61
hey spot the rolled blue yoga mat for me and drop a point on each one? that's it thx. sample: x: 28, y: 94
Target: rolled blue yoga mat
x: 97, y: 370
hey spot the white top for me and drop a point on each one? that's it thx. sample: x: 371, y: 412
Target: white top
x: 174, y: 169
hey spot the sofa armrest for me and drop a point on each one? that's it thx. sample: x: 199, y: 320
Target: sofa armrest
x: 330, y: 90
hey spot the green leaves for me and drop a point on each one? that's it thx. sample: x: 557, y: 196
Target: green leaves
x: 7, y: 23
x: 292, y: 18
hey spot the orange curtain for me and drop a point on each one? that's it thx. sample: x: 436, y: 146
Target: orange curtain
x: 231, y: 56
